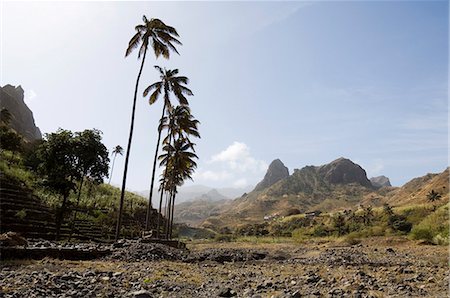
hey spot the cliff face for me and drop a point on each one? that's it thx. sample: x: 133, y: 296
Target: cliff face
x: 22, y: 120
x: 344, y: 171
x: 275, y: 173
x: 380, y: 181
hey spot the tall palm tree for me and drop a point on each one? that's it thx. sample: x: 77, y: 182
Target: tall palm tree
x: 117, y: 150
x: 180, y: 124
x: 169, y: 84
x: 162, y: 38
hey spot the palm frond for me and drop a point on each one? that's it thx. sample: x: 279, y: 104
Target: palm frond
x: 134, y: 42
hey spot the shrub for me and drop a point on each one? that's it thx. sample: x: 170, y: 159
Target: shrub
x: 21, y: 214
x: 321, y: 231
x: 422, y: 233
x: 352, y: 238
x: 223, y: 238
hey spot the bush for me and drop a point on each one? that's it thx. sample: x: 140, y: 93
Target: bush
x: 321, y: 231
x: 223, y: 238
x: 398, y: 222
x: 422, y: 233
x: 352, y: 238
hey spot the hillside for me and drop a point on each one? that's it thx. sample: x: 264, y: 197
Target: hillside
x: 336, y: 186
x: 416, y: 190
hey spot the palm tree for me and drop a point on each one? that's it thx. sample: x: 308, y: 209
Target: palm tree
x: 161, y: 38
x: 117, y: 150
x: 368, y: 215
x: 170, y: 83
x: 179, y: 165
x: 433, y: 196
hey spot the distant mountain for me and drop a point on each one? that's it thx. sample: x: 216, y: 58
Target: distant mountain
x: 339, y: 184
x: 22, y: 121
x: 194, y: 212
x: 276, y: 172
x: 380, y: 181
x: 189, y: 193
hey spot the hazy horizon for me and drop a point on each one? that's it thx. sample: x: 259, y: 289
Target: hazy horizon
x: 305, y: 82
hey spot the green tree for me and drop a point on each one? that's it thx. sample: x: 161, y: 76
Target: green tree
x: 433, y: 196
x: 162, y: 38
x: 10, y: 140
x: 388, y: 209
x: 368, y: 215
x: 339, y: 224
x: 91, y: 158
x: 117, y: 150
x: 58, y: 167
x: 169, y: 84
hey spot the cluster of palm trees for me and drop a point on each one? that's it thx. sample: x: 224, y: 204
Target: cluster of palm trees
x: 178, y: 150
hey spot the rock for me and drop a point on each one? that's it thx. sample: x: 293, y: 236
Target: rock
x: 380, y: 181
x: 226, y: 292
x: 296, y: 294
x: 276, y: 172
x: 344, y: 171
x: 390, y: 250
x: 141, y: 294
x: 12, y: 239
x: 22, y: 120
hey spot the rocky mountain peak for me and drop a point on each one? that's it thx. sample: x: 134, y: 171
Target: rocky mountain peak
x: 380, y: 181
x: 343, y: 171
x: 22, y: 120
x: 276, y: 171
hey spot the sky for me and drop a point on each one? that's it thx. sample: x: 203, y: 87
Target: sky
x: 305, y: 82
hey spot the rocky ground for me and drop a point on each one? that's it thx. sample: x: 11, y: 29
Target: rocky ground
x: 374, y: 268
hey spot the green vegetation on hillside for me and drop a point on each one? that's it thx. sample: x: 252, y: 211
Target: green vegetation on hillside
x: 419, y: 222
x: 84, y: 192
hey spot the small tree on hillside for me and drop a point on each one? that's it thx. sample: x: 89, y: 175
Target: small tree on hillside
x: 339, y: 224
x: 433, y: 196
x: 92, y: 159
x: 58, y: 167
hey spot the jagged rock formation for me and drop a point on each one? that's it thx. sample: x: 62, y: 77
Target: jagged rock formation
x: 337, y: 185
x: 276, y: 172
x: 344, y: 171
x: 22, y: 121
x: 380, y: 181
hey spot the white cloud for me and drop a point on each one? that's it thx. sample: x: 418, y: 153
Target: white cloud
x: 237, y: 157
x: 214, y: 176
x: 240, y: 183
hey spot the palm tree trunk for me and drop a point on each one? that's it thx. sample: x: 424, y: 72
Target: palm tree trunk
x: 171, y: 217
x: 147, y: 218
x: 112, y: 168
x: 75, y: 212
x: 166, y: 228
x: 127, y: 156
x: 159, y: 213
x: 60, y: 214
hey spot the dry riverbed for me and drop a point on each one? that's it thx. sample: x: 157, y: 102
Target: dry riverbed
x: 375, y: 268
